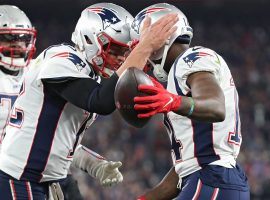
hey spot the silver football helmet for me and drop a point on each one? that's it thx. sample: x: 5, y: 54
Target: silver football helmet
x: 102, y: 33
x: 183, y: 34
x: 17, y: 38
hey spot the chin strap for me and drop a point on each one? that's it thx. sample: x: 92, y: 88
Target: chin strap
x: 159, y: 71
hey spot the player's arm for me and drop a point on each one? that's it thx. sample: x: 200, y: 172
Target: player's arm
x: 99, y: 98
x: 165, y: 190
x: 96, y: 166
x: 209, y: 100
x: 206, y: 104
x: 86, y: 93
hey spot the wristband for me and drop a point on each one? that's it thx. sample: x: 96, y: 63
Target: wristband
x: 192, y: 106
x: 141, y: 198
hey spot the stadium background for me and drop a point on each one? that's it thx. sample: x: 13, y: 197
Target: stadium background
x: 237, y: 29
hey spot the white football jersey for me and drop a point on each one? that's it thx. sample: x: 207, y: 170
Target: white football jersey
x: 44, y: 129
x: 9, y: 90
x: 196, y: 144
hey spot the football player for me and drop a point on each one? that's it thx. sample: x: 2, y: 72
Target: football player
x: 60, y: 97
x: 17, y: 46
x: 201, y: 114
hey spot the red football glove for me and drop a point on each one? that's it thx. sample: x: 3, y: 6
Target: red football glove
x: 141, y: 198
x: 159, y: 100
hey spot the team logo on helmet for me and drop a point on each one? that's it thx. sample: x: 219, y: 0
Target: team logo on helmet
x: 139, y: 18
x: 107, y: 15
x: 76, y: 60
x: 191, y: 58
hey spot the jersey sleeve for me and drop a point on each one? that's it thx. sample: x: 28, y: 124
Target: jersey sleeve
x: 64, y: 63
x: 196, y: 60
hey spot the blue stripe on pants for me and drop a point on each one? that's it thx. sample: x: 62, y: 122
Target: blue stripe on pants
x: 19, y: 189
x: 194, y: 189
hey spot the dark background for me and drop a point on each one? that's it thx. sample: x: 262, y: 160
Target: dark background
x: 236, y: 29
x: 56, y: 19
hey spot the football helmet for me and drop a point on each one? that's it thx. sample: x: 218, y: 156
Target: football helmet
x: 183, y: 34
x: 102, y: 34
x: 17, y: 38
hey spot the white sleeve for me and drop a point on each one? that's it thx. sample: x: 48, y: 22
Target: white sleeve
x: 62, y: 60
x: 204, y: 60
x: 87, y: 160
x: 58, y: 67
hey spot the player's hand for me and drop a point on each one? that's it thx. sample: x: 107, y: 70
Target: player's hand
x: 159, y: 100
x: 109, y: 174
x: 155, y: 35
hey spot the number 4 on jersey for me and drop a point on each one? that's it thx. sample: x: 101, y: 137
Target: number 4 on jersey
x: 176, y: 145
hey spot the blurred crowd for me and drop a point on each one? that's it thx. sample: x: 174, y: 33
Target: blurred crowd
x: 145, y: 152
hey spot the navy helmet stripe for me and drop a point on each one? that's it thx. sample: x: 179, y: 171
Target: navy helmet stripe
x: 41, y: 146
x: 140, y: 17
x: 108, y: 16
x: 203, y: 142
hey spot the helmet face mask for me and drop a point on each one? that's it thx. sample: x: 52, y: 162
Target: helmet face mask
x: 17, y: 38
x: 109, y: 58
x: 102, y: 34
x: 17, y: 47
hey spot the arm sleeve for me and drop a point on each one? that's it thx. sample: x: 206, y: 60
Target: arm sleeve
x: 86, y: 93
x: 63, y: 64
x: 87, y: 160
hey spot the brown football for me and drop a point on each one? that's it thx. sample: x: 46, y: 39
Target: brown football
x: 125, y: 91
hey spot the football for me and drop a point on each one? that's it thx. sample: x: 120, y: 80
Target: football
x: 125, y: 91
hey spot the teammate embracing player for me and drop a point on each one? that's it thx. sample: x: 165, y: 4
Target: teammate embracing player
x: 61, y: 95
x: 201, y: 114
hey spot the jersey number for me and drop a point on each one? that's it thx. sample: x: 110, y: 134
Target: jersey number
x: 16, y: 118
x: 235, y: 136
x: 176, y: 145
